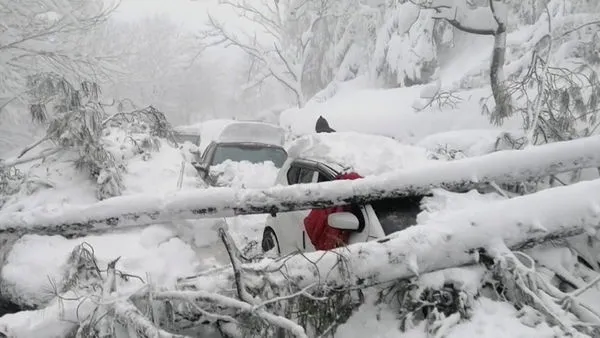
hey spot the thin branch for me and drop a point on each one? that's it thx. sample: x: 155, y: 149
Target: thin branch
x: 200, y: 296
x: 31, y: 146
x: 42, y: 155
x: 578, y: 28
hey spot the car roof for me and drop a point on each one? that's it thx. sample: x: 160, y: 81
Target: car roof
x: 365, y: 154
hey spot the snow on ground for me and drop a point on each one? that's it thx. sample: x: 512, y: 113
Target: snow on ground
x: 35, y: 260
x: 51, y: 184
x: 470, y: 142
x: 491, y: 319
x: 390, y: 112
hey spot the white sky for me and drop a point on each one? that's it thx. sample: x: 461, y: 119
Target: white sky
x: 190, y: 13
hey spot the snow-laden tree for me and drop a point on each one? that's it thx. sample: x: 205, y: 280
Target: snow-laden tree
x: 392, y: 43
x: 152, y: 59
x: 550, y: 77
x: 554, y: 77
x: 406, y: 51
x: 45, y: 36
x: 282, y: 37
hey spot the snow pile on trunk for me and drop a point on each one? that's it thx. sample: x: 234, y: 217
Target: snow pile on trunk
x: 363, y: 153
x: 443, y: 203
x: 244, y: 174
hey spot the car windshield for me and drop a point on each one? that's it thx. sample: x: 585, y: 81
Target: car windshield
x: 250, y: 153
x: 397, y: 214
x: 182, y: 138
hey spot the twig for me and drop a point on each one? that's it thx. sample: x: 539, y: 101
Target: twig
x: 42, y: 155
x: 31, y: 146
x: 200, y: 295
x: 129, y: 315
x: 302, y: 292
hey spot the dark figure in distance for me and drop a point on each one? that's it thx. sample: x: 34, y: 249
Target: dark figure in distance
x: 322, y: 126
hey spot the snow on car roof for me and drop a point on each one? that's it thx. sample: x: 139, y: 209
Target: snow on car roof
x: 365, y: 154
x: 192, y: 129
x: 249, y: 131
x: 229, y: 130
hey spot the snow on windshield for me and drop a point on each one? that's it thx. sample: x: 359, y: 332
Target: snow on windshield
x: 244, y: 174
x: 260, y: 154
x: 364, y: 153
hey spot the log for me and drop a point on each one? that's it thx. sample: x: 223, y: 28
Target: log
x: 501, y: 167
x: 454, y: 241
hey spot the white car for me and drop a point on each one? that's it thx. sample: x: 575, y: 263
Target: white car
x: 322, y: 157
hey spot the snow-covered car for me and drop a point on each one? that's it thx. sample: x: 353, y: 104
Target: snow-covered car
x: 243, y: 141
x: 321, y: 158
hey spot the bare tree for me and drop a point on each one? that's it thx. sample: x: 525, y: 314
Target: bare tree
x: 44, y: 36
x: 281, y: 41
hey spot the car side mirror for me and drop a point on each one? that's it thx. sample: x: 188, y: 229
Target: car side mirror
x: 194, y: 149
x: 343, y: 221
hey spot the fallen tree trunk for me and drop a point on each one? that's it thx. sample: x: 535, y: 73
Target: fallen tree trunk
x: 515, y: 223
x: 500, y: 167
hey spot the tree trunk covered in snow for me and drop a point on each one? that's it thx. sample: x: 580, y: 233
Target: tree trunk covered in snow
x: 497, y: 29
x: 453, y: 241
x: 503, y: 107
x: 134, y: 210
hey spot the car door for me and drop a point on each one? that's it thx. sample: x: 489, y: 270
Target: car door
x: 292, y: 236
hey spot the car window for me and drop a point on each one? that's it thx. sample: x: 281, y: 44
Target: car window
x: 250, y: 153
x: 292, y: 175
x: 300, y: 174
x: 306, y: 175
x: 323, y: 178
x: 396, y: 214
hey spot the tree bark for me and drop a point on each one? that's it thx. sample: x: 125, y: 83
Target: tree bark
x: 135, y: 210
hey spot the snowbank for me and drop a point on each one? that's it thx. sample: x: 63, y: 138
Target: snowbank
x: 390, y: 112
x: 36, y: 261
x: 56, y: 182
x: 470, y: 142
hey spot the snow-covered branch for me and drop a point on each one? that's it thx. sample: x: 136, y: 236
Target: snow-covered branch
x: 453, y: 241
x: 500, y: 167
x: 47, y: 35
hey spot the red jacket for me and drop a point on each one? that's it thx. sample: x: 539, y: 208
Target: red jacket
x: 322, y: 236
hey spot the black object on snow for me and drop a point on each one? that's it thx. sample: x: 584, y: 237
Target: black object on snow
x: 322, y: 126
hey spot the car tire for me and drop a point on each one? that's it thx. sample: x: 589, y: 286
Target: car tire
x: 270, y: 241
